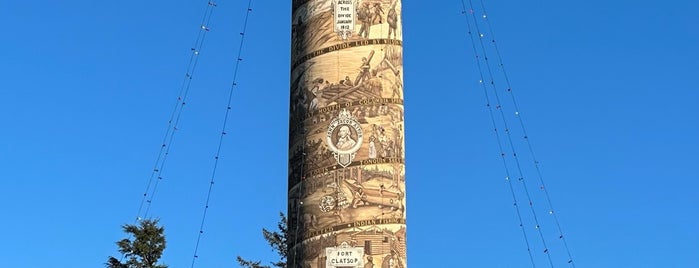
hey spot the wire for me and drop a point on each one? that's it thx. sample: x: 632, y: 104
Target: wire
x: 223, y: 134
x: 526, y: 136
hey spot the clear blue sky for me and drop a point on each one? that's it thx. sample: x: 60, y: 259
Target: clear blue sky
x: 607, y: 89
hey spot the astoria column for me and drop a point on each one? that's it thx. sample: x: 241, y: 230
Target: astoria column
x: 346, y: 135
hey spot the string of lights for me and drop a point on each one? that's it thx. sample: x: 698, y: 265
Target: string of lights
x: 156, y: 174
x: 511, y: 160
x: 526, y: 138
x: 223, y: 132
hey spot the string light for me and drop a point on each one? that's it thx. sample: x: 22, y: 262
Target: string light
x: 528, y: 141
x: 156, y: 175
x: 223, y: 132
x: 497, y: 135
x: 173, y: 122
x: 484, y: 68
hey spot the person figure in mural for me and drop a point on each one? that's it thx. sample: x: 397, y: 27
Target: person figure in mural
x: 383, y: 109
x: 298, y: 98
x: 359, y: 197
x: 310, y: 220
x: 397, y: 86
x: 396, y: 255
x: 391, y: 261
x: 364, y: 17
x: 388, y: 262
x: 378, y: 11
x: 348, y: 81
x: 391, y: 149
x: 384, y: 142
x: 369, y: 262
x: 314, y: 103
x: 316, y: 83
x: 372, y: 148
x: 392, y: 20
x: 355, y: 113
x: 365, y: 70
x: 345, y: 142
x: 299, y: 31
x: 338, y: 212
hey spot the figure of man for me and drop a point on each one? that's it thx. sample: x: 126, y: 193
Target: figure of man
x: 347, y: 81
x: 378, y: 11
x: 390, y: 148
x: 365, y: 69
x: 388, y: 261
x: 358, y: 197
x: 384, y: 143
x: 300, y: 32
x: 364, y: 17
x: 315, y: 103
x: 345, y: 142
x: 369, y: 263
x: 397, y: 86
x: 392, y: 20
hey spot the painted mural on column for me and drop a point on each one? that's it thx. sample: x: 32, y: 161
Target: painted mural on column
x: 346, y: 137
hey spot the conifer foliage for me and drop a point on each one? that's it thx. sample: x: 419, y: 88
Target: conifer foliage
x: 144, y: 247
x: 277, y: 240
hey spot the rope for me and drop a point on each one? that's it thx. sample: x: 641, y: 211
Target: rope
x: 526, y: 136
x: 223, y: 130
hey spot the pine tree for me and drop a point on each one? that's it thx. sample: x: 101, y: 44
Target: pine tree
x: 144, y: 250
x: 250, y: 264
x: 277, y: 240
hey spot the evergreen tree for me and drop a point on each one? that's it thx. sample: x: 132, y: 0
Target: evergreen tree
x: 144, y: 250
x: 250, y: 264
x: 277, y: 240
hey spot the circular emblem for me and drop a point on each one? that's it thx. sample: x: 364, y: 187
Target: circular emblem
x: 344, y: 137
x: 327, y: 203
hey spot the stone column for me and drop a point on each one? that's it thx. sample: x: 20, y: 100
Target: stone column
x: 346, y: 112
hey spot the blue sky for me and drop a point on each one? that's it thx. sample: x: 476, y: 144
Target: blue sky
x: 606, y: 91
